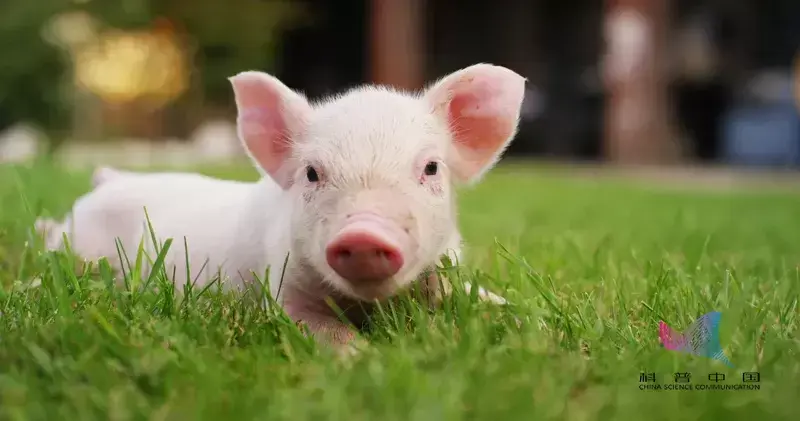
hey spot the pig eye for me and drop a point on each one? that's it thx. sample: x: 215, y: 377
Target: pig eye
x: 311, y: 174
x: 431, y: 168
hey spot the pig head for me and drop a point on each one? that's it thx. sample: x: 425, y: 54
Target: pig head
x: 371, y: 173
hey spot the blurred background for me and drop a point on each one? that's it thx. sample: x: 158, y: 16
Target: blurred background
x: 144, y: 82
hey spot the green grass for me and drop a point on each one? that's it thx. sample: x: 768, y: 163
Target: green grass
x: 591, y: 267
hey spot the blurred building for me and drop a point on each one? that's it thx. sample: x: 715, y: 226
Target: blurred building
x: 633, y: 81
x: 693, y: 82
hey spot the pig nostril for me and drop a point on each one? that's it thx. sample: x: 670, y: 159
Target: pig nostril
x: 345, y: 253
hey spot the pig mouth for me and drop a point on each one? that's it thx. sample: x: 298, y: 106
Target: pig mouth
x: 368, y: 252
x: 427, y: 279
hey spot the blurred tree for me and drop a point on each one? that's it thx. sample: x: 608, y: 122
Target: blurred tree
x: 224, y: 36
x: 32, y: 69
x: 230, y: 36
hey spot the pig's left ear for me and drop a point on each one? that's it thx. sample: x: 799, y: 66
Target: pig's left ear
x: 481, y: 105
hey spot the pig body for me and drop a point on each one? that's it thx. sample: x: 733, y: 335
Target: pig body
x: 357, y: 191
x: 213, y: 215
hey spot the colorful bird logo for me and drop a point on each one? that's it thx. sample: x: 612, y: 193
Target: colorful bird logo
x: 700, y: 338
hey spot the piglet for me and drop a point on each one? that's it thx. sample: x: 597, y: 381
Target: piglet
x: 357, y: 190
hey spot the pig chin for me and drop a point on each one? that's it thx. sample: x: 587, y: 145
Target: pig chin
x: 368, y: 254
x: 378, y: 291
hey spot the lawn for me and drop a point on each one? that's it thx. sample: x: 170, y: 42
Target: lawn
x: 590, y: 266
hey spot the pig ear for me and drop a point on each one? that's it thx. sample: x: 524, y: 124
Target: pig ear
x: 481, y: 106
x: 269, y: 116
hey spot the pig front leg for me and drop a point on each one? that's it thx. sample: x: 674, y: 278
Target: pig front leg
x: 437, y: 286
x: 455, y: 254
x: 437, y: 291
x: 306, y: 305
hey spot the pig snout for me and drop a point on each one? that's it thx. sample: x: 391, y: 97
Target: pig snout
x: 368, y: 249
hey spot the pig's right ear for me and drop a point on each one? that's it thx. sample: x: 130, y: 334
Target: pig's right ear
x: 269, y: 115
